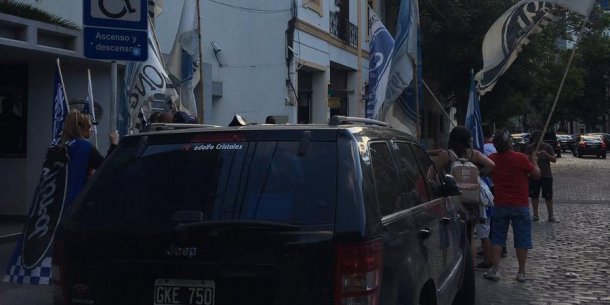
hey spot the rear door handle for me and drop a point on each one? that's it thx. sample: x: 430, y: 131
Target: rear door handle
x: 424, y: 233
x: 445, y: 220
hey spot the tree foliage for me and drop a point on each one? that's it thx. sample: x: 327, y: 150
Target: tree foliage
x: 452, y: 36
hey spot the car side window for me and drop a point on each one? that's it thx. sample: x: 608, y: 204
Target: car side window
x: 416, y: 189
x: 425, y: 163
x: 387, y: 180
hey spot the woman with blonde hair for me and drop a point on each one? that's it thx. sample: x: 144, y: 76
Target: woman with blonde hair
x: 84, y: 158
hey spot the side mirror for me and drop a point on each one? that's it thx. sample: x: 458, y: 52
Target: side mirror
x: 449, y: 187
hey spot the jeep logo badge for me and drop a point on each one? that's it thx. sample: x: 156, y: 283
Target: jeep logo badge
x: 176, y: 251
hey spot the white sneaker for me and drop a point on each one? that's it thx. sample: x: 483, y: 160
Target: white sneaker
x: 521, y: 277
x: 492, y: 275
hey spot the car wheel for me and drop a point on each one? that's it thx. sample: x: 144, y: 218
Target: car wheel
x: 467, y: 293
x: 578, y: 154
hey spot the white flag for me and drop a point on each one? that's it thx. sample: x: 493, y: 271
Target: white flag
x: 183, y: 64
x: 507, y: 36
x: 145, y: 79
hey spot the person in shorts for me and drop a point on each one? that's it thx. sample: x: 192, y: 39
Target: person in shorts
x: 546, y: 155
x: 510, y: 177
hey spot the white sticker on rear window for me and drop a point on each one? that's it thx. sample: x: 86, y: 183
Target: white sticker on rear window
x: 219, y: 146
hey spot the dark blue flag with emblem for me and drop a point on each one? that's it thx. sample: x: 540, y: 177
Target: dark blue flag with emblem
x: 31, y: 262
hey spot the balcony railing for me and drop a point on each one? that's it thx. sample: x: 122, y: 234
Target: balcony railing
x: 343, y: 29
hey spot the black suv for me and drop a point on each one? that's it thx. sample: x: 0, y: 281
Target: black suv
x: 266, y: 214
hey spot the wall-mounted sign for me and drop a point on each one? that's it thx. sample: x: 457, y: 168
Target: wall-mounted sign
x: 115, y: 29
x: 334, y: 102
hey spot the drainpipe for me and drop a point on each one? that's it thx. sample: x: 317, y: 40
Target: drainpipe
x: 358, y: 94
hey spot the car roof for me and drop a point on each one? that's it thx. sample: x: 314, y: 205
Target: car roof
x: 357, y: 128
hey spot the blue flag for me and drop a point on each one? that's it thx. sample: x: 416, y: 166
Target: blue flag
x: 31, y: 262
x: 473, y: 116
x: 60, y: 106
x: 403, y: 68
x: 380, y: 56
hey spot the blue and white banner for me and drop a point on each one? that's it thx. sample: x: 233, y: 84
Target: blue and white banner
x: 473, y: 116
x: 508, y: 36
x: 60, y: 105
x: 183, y: 64
x: 31, y: 262
x: 380, y: 56
x: 144, y: 80
x: 406, y: 54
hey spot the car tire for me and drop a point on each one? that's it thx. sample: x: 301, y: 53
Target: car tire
x: 578, y: 154
x: 467, y: 293
x: 604, y: 156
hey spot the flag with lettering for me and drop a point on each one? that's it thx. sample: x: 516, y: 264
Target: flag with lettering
x: 183, y: 64
x: 508, y: 35
x: 147, y: 81
x: 31, y: 261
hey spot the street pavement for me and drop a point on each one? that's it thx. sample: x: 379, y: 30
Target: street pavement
x: 570, y: 261
x: 569, y: 265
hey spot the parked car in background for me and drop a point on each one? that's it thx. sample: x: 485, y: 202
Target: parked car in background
x: 521, y: 140
x: 551, y: 139
x: 342, y: 213
x: 566, y: 142
x: 605, y: 138
x: 589, y: 145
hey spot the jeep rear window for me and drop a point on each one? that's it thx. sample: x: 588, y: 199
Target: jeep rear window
x: 264, y: 180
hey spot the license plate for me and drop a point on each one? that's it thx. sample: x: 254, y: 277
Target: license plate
x: 183, y: 292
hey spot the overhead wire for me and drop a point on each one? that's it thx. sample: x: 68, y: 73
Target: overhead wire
x: 255, y: 10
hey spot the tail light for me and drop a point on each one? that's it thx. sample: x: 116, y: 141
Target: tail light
x: 582, y: 144
x: 59, y: 287
x: 603, y: 145
x: 358, y: 273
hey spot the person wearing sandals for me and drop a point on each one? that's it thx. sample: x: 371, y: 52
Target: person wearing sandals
x: 546, y: 155
x: 511, y: 207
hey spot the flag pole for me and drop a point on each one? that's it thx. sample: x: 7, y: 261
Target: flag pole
x: 438, y: 102
x: 63, y: 86
x: 113, y: 95
x: 565, y: 74
x: 200, y: 110
x: 416, y: 83
x: 91, y: 106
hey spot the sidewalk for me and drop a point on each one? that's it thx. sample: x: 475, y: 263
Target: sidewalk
x: 10, y: 229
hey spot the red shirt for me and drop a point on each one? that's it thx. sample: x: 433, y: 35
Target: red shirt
x: 510, y: 177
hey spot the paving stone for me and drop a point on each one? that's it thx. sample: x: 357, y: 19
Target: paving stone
x: 577, y: 244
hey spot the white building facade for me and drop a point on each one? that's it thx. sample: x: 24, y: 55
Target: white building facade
x: 298, y: 60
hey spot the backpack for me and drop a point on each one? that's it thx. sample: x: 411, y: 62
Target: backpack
x: 466, y: 175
